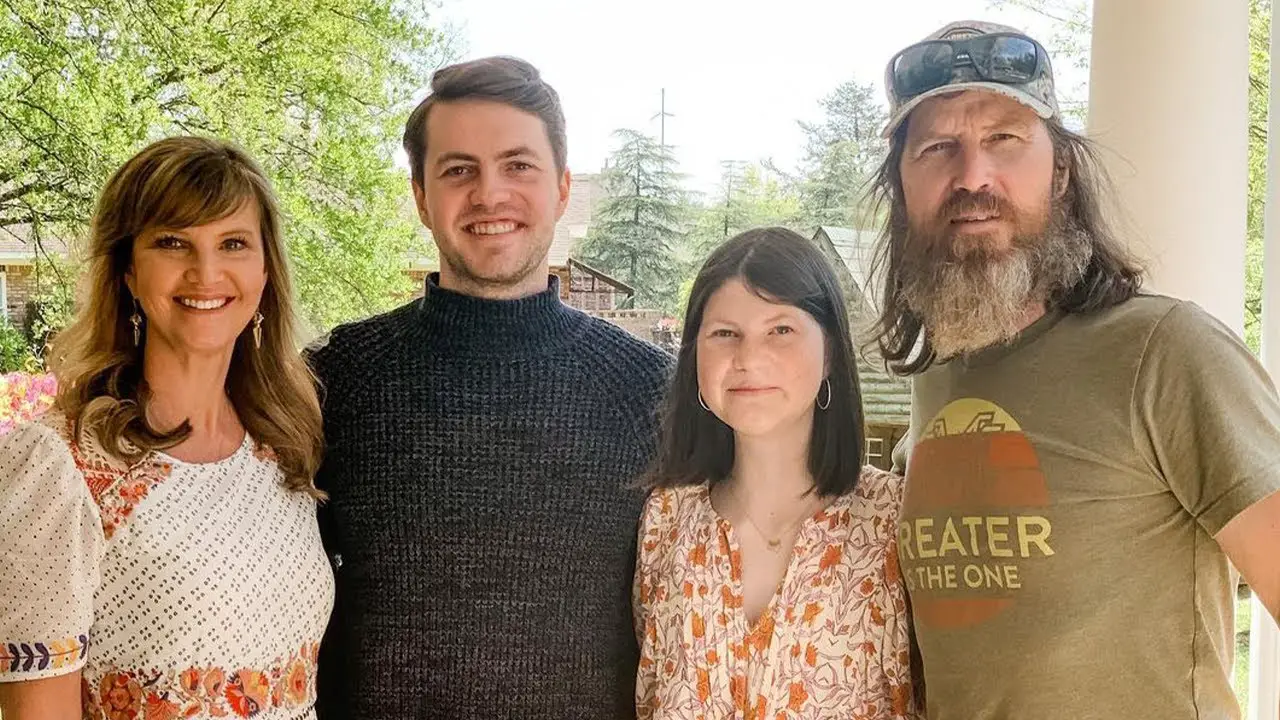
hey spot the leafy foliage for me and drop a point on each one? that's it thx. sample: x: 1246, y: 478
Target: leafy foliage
x: 316, y: 91
x: 15, y: 354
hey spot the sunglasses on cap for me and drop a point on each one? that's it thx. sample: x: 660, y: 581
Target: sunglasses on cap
x: 1005, y: 58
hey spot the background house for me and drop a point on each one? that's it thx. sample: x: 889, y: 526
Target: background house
x: 19, y: 282
x: 886, y: 398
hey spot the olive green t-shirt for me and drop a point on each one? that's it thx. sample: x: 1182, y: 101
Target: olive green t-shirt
x: 1063, y: 492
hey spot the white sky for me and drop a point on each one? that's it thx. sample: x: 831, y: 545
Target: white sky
x: 736, y: 79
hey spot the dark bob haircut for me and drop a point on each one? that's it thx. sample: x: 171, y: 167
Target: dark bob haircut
x: 782, y: 267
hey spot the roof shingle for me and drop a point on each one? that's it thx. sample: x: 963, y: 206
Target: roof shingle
x: 886, y: 398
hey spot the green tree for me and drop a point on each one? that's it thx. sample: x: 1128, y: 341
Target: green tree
x: 1069, y: 43
x: 748, y: 196
x: 316, y: 92
x: 841, y: 154
x: 639, y: 225
x: 727, y: 211
x: 15, y: 354
x: 52, y: 305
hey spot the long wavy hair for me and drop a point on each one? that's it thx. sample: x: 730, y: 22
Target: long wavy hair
x: 1112, y: 276
x: 185, y: 182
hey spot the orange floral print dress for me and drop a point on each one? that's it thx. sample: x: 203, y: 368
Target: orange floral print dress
x: 832, y: 643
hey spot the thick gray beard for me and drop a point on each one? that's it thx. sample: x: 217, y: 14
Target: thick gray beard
x: 981, y: 300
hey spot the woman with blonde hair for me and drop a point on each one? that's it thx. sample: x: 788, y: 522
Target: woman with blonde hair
x: 161, y: 557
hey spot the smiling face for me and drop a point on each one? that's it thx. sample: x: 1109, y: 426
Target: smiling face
x: 491, y: 197
x: 760, y: 364
x: 199, y: 287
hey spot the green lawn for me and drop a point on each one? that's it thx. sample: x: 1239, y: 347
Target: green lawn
x: 1243, y: 616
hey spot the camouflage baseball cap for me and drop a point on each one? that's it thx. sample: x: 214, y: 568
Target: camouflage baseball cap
x: 1036, y: 94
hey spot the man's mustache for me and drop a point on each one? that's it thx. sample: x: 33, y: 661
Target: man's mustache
x: 982, y: 202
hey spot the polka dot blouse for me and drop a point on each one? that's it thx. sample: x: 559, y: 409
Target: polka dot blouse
x: 177, y: 590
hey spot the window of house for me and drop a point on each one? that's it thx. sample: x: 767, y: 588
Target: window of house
x: 875, y: 448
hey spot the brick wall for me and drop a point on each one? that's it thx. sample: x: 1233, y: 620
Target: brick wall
x: 20, y: 286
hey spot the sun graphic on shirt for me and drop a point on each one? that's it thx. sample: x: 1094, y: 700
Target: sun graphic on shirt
x: 970, y: 415
x: 975, y: 518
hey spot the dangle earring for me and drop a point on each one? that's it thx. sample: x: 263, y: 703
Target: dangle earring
x: 136, y: 320
x: 257, y: 330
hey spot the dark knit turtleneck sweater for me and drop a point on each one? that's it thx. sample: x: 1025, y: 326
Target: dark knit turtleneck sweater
x: 481, y: 466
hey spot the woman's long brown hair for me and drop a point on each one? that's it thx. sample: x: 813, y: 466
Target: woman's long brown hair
x: 176, y: 183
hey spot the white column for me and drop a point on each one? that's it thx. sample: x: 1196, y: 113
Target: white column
x: 1264, y: 640
x: 1168, y: 100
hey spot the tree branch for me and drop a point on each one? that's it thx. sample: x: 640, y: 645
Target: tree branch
x: 57, y: 122
x: 352, y: 18
x: 33, y: 216
x: 21, y: 190
x: 18, y: 128
x: 216, y: 11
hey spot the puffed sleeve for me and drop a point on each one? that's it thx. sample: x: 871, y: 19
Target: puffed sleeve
x: 51, y: 547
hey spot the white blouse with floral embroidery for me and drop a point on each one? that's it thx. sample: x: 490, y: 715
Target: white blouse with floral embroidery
x: 178, y: 590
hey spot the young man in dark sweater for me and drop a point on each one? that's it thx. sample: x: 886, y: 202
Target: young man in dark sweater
x: 483, y: 445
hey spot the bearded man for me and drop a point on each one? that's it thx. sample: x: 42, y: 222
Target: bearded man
x: 1088, y: 464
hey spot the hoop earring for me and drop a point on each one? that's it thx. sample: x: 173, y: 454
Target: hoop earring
x: 702, y: 402
x: 827, y: 384
x: 136, y: 320
x: 257, y: 330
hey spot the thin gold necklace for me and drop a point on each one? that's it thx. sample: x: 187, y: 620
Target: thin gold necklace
x: 773, y: 543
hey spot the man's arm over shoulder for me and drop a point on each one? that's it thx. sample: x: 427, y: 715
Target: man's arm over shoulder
x: 341, y: 360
